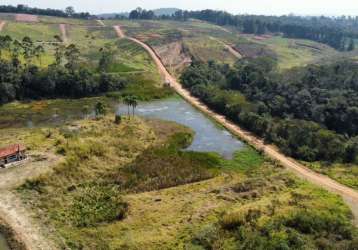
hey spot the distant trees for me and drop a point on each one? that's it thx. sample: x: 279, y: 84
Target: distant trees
x: 140, y: 13
x: 309, y: 113
x: 69, y: 11
x: 22, y: 78
x: 337, y: 32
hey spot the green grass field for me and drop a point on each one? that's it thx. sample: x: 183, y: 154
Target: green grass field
x: 36, y: 31
x: 296, y: 52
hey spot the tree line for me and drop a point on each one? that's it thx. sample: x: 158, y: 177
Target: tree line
x: 22, y: 75
x: 24, y: 9
x: 337, y: 32
x: 309, y: 113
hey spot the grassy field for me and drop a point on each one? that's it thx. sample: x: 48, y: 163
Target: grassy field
x: 295, y: 52
x: 207, y: 48
x: 36, y: 31
x: 247, y: 201
x: 346, y: 174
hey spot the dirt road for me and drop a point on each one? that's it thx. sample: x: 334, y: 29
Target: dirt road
x: 348, y: 194
x: 119, y: 31
x: 63, y: 33
x: 100, y: 22
x: 14, y: 212
x: 2, y: 25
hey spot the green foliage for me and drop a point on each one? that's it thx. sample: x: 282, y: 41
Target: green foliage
x: 168, y: 166
x: 93, y: 204
x: 286, y: 109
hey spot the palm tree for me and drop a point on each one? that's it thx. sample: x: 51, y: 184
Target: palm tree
x: 127, y: 101
x: 134, y: 102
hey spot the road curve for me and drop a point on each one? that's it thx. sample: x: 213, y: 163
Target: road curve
x: 348, y: 194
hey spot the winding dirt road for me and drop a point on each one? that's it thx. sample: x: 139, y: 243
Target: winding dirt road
x: 348, y: 194
x: 63, y: 33
x: 2, y: 25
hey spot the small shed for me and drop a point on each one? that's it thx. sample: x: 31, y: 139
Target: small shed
x: 12, y: 153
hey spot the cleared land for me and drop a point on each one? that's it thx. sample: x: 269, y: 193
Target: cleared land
x: 26, y: 18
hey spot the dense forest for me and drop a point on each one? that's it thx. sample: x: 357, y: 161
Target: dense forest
x: 22, y: 78
x: 311, y: 113
x: 21, y: 8
x: 338, y: 32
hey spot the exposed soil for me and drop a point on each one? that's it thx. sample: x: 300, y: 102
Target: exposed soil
x: 173, y: 56
x: 2, y: 25
x: 13, y: 212
x: 100, y: 22
x: 63, y: 33
x: 26, y: 18
x: 348, y: 194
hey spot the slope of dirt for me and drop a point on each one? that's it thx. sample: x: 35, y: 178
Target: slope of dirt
x: 14, y: 212
x: 348, y: 194
x: 173, y: 56
x: 63, y: 33
x: 2, y: 25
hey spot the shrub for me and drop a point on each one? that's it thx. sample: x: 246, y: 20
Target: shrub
x: 93, y: 204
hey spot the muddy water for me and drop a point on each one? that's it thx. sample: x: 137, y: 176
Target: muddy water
x: 3, y: 243
x: 208, y: 136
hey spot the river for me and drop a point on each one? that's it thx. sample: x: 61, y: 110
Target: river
x: 209, y: 137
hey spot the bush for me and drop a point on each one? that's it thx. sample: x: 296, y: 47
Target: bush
x: 93, y: 204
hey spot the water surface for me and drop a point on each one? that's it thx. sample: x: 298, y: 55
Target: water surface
x: 208, y: 136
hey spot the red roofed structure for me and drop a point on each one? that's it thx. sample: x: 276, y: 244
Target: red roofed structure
x: 11, y: 154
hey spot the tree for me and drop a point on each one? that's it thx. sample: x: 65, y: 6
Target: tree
x: 39, y: 51
x: 107, y: 55
x: 59, y: 50
x: 133, y: 103
x: 100, y: 109
x: 72, y: 54
x: 28, y: 48
x: 127, y: 101
x: 351, y: 45
x: 5, y: 42
x: 70, y: 11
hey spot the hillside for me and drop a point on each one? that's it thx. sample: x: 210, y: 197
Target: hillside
x: 105, y: 171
